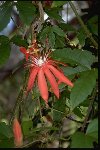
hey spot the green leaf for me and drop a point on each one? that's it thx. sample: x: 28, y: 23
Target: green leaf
x: 71, y: 71
x: 5, y: 130
x: 58, y: 31
x: 51, y: 39
x: 81, y: 37
x: 27, y: 127
x: 92, y: 129
x: 77, y: 112
x: 17, y: 40
x: 76, y: 56
x: 5, y: 13
x: 7, y: 143
x: 59, y: 105
x: 26, y: 11
x: 93, y: 25
x: 58, y: 3
x: 54, y: 13
x: 4, y: 49
x: 60, y: 42
x: 44, y: 33
x: 80, y: 140
x: 67, y: 27
x: 83, y: 87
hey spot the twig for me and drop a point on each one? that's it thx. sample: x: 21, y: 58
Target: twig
x: 29, y: 144
x: 89, y: 108
x: 83, y: 25
x: 41, y: 12
x: 15, y: 22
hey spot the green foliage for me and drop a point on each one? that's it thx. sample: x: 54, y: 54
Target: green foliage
x: 27, y: 127
x: 76, y: 56
x: 72, y: 71
x: 7, y: 143
x: 26, y: 11
x: 92, y: 129
x: 44, y: 34
x: 4, y: 49
x: 5, y: 130
x: 93, y: 25
x: 17, y: 39
x: 67, y: 27
x: 83, y: 87
x: 60, y: 42
x: 58, y: 3
x: 80, y: 140
x: 6, y: 136
x: 58, y: 31
x: 51, y: 39
x: 5, y: 14
x: 54, y: 14
x: 60, y: 106
x: 54, y: 34
x: 81, y: 37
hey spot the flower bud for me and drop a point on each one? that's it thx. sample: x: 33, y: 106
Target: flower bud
x: 18, y: 136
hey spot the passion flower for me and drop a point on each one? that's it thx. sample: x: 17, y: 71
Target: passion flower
x: 43, y: 68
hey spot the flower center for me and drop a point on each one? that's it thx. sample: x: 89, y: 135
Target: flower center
x: 41, y: 61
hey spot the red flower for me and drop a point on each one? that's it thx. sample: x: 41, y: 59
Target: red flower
x: 43, y: 68
x: 18, y: 136
x: 33, y: 48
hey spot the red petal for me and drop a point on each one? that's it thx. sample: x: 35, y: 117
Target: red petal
x: 60, y: 75
x: 18, y: 136
x: 52, y: 81
x: 32, y: 78
x: 23, y: 50
x: 27, y: 55
x: 42, y: 85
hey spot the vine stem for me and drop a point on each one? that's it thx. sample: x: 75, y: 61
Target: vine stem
x: 29, y: 144
x: 89, y: 108
x: 68, y: 117
x: 83, y: 25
